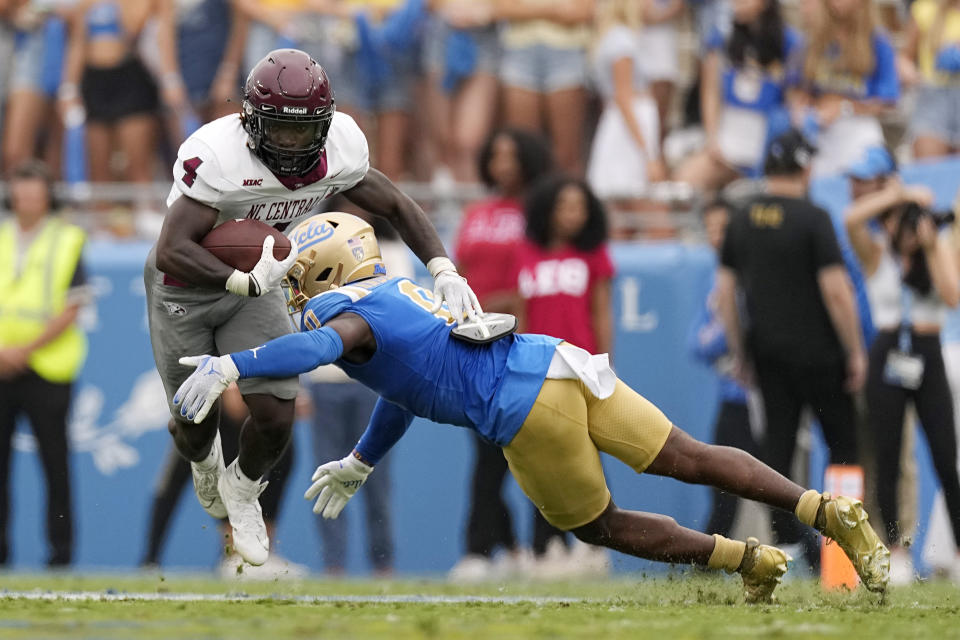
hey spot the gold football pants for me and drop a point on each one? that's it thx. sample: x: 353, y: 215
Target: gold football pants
x: 555, y: 455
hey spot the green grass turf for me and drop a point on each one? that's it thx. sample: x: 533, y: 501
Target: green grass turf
x: 684, y: 606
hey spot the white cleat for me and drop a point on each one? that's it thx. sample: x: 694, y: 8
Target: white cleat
x: 241, y: 498
x: 206, y: 483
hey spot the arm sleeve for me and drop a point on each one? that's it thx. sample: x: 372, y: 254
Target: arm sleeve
x: 290, y: 355
x: 826, y: 249
x: 388, y: 423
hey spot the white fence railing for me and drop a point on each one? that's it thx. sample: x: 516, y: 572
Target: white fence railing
x: 125, y: 210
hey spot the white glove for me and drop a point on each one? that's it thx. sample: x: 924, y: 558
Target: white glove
x: 265, y: 275
x: 335, y: 483
x: 452, y: 288
x: 198, y: 393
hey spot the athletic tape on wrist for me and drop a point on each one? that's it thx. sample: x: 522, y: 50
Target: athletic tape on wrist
x: 440, y: 264
x: 239, y: 283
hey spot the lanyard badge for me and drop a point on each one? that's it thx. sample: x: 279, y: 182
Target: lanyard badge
x: 904, y: 368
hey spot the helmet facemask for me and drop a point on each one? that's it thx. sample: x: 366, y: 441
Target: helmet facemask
x: 292, y: 284
x: 272, y: 135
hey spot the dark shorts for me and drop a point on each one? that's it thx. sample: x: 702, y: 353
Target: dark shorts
x: 113, y: 93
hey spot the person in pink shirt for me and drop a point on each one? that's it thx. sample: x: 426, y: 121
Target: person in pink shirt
x: 563, y: 270
x: 491, y: 231
x: 492, y: 228
x: 564, y: 277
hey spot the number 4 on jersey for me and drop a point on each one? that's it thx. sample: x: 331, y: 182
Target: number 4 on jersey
x: 190, y: 167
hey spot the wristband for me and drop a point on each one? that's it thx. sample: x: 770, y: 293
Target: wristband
x: 239, y: 283
x: 356, y: 454
x: 440, y: 264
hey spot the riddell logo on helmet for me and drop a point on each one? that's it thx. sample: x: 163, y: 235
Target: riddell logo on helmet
x: 297, y: 111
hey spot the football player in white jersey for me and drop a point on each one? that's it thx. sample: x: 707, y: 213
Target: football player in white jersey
x: 275, y: 162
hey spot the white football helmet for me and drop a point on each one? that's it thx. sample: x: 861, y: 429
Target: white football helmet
x: 335, y: 248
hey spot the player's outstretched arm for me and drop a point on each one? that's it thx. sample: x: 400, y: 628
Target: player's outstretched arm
x: 282, y: 357
x: 388, y: 423
x: 334, y: 483
x: 378, y: 195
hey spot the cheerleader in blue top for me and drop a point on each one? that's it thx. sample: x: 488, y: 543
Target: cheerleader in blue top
x: 745, y: 78
x: 849, y: 79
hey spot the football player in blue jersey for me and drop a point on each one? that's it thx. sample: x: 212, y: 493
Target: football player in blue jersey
x: 550, y: 406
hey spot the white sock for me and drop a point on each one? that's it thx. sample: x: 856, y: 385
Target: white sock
x: 240, y: 477
x: 212, y: 460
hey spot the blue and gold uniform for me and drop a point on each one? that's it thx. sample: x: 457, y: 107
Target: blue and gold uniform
x: 514, y: 392
x: 489, y: 388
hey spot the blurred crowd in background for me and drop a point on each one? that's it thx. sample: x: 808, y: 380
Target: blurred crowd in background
x: 653, y: 101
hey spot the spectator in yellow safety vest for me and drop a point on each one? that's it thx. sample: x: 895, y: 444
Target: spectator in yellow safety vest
x: 42, y: 288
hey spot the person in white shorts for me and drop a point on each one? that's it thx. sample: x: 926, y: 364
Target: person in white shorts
x: 625, y: 154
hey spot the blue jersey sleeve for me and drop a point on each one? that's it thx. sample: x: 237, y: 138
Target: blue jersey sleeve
x: 883, y: 84
x: 319, y: 309
x: 387, y: 425
x: 290, y: 355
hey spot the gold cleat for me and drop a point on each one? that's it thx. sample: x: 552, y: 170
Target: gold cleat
x: 845, y: 521
x: 763, y: 567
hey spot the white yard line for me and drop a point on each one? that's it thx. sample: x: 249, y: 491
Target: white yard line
x: 120, y: 596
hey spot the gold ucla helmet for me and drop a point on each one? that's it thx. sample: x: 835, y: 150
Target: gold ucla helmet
x: 334, y: 248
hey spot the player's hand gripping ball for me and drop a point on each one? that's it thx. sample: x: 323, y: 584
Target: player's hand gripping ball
x: 260, y: 255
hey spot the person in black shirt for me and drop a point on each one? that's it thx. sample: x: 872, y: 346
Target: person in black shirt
x: 800, y: 338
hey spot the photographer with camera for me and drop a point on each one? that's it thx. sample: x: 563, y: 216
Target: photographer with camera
x: 909, y: 263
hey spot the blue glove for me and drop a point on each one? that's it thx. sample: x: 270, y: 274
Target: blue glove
x: 198, y: 393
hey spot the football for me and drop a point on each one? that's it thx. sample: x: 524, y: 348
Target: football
x: 239, y: 243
